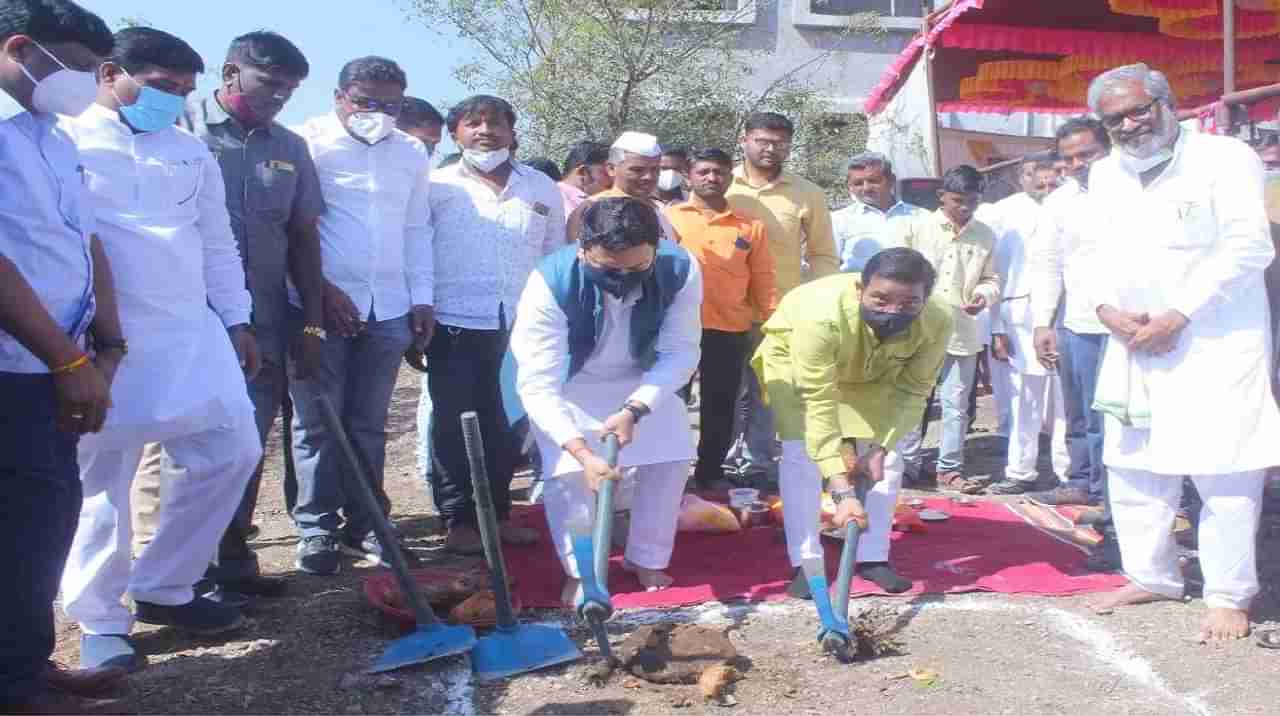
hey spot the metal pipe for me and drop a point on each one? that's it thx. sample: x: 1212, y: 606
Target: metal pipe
x: 1249, y: 96
x: 1228, y: 46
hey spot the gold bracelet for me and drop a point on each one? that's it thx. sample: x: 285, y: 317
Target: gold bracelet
x: 316, y: 331
x: 71, y: 367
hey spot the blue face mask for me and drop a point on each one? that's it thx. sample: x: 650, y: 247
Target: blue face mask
x: 153, y: 110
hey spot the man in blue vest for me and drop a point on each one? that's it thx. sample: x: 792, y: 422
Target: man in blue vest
x: 607, y: 331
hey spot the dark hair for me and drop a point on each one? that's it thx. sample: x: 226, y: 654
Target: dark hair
x: 139, y: 47
x: 771, y: 121
x: 546, y: 166
x: 371, y: 69
x: 711, y: 154
x: 585, y: 154
x: 267, y: 50
x: 870, y: 160
x: 1076, y: 125
x: 419, y: 113
x: 450, y: 159
x: 618, y: 224
x: 962, y: 179
x: 902, y: 265
x: 478, y: 103
x: 55, y: 21
x: 1041, y: 160
x: 680, y: 152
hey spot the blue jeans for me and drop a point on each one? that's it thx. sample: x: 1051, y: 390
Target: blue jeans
x: 358, y: 375
x: 1078, y: 357
x: 38, y: 517
x: 756, y: 447
x: 953, y: 395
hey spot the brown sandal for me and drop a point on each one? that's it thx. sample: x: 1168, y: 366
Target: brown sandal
x: 957, y: 482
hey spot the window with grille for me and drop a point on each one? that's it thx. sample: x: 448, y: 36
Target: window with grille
x: 891, y: 8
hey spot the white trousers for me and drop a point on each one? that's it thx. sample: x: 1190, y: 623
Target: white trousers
x: 801, y: 484
x: 1144, y: 506
x: 1036, y: 402
x: 653, y: 494
x: 1002, y: 393
x: 204, y: 480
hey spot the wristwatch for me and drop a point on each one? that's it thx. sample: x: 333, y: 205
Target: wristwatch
x: 637, y: 409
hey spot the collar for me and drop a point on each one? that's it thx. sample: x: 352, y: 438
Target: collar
x: 104, y: 117
x: 945, y: 224
x: 214, y: 114
x: 688, y: 206
x: 740, y: 177
x: 862, y: 208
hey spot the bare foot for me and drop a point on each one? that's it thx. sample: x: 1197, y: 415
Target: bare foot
x: 1127, y: 595
x: 1224, y: 624
x: 570, y: 592
x: 651, y: 579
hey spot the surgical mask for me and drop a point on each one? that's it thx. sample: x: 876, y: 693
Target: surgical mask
x: 372, y: 127
x: 670, y: 180
x: 614, y: 282
x: 65, y: 91
x: 884, y: 324
x: 153, y: 110
x: 485, y: 160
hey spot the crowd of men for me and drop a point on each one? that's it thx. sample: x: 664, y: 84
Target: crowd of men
x: 175, y: 269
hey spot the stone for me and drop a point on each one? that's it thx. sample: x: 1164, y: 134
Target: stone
x: 674, y: 654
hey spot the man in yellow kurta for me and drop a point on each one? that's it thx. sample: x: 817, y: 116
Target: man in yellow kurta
x: 847, y: 363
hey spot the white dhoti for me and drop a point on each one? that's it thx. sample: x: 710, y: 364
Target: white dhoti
x: 1035, y: 401
x: 801, y: 484
x: 204, y: 477
x: 651, y: 492
x: 1144, y: 506
x: 1003, y: 394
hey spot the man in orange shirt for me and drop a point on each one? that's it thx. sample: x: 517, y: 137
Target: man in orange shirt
x: 738, y: 283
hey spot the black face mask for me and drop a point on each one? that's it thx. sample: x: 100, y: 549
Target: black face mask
x: 614, y: 282
x: 884, y: 324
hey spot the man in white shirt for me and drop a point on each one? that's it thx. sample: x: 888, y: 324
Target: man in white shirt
x: 375, y: 248
x: 160, y: 204
x: 608, y: 331
x: 1185, y: 379
x: 55, y: 286
x: 1068, y: 337
x: 1034, y: 397
x: 869, y: 224
x: 494, y: 219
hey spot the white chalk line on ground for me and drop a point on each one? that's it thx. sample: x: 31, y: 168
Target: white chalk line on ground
x: 1102, y: 645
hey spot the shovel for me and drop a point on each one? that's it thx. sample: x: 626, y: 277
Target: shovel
x: 834, y: 634
x: 591, y: 552
x: 512, y: 648
x: 431, y: 639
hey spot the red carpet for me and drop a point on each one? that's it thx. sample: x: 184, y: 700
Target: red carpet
x: 983, y: 548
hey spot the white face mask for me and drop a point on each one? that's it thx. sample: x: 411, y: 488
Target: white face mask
x: 485, y: 161
x: 670, y: 180
x: 65, y: 91
x: 372, y: 127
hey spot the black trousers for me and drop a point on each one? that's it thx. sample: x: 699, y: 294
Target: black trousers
x: 724, y: 354
x: 463, y: 374
x: 38, y: 518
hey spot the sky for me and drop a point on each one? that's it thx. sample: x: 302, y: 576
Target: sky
x: 328, y: 33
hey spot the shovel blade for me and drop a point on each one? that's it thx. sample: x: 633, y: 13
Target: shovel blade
x: 526, y: 648
x: 424, y: 645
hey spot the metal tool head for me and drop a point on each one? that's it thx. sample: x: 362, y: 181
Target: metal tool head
x: 424, y: 645
x: 526, y: 648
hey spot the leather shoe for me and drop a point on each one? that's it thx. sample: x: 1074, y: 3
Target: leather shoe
x: 85, y: 682
x: 57, y: 701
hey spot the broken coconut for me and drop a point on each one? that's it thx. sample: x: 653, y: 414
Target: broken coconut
x: 674, y: 654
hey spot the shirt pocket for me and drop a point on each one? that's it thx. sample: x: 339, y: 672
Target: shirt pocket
x: 1192, y: 221
x: 169, y: 185
x: 271, y: 191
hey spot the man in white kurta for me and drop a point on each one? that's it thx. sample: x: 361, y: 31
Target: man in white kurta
x: 1181, y: 291
x: 159, y: 203
x: 1034, y: 397
x: 575, y: 393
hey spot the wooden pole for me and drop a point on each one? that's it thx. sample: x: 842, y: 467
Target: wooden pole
x: 927, y: 58
x: 1228, y: 46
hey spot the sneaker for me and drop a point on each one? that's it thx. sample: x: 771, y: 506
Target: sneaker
x: 215, y: 592
x: 1059, y: 496
x: 318, y: 555
x: 198, y: 616
x: 370, y: 548
x: 1010, y: 487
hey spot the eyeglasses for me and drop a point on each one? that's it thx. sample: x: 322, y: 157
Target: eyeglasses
x: 368, y: 104
x: 1137, y: 114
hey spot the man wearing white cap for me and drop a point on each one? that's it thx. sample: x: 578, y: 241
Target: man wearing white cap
x: 634, y: 164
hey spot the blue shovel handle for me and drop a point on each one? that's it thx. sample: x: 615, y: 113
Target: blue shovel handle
x: 849, y: 555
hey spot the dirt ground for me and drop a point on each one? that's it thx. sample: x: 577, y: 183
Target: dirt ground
x: 991, y: 654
